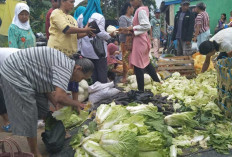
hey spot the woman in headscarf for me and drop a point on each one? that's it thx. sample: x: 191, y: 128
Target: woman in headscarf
x: 94, y: 13
x: 80, y: 10
x: 112, y: 61
x: 63, y: 30
x: 20, y: 34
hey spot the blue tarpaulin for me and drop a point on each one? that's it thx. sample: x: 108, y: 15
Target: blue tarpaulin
x: 170, y: 2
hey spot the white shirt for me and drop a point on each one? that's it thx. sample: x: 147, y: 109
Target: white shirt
x: 85, y: 45
x: 6, y: 52
x: 144, y: 23
x: 224, y: 39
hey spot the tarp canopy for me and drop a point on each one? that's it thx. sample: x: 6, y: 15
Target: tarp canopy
x: 6, y: 14
x: 170, y: 2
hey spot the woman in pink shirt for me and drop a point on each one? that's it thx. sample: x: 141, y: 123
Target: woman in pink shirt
x: 139, y: 57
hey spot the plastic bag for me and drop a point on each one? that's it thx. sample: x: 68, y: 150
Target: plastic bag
x: 99, y: 86
x: 103, y: 94
x: 99, y: 91
x: 194, y: 47
x: 54, y: 135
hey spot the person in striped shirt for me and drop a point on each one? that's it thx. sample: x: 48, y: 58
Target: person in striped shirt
x: 28, y: 78
x: 202, y: 29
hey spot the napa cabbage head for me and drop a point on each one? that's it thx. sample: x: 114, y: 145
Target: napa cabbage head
x: 120, y: 143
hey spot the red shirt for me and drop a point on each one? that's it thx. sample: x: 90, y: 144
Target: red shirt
x: 47, y: 23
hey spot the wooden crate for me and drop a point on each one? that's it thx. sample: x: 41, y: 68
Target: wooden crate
x: 224, y: 76
x: 182, y: 64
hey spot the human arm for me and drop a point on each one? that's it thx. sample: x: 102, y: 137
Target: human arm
x: 66, y: 26
x: 103, y: 34
x: 206, y: 63
x: 12, y: 37
x: 229, y: 54
x: 144, y: 24
x: 197, y: 32
x: 198, y: 23
x: 61, y: 97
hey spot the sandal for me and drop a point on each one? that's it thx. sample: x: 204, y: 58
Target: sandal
x: 6, y: 128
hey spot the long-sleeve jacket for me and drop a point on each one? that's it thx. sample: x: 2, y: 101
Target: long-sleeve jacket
x: 187, y: 26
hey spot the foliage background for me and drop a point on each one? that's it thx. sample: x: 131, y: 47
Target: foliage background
x: 111, y: 10
x: 38, y: 11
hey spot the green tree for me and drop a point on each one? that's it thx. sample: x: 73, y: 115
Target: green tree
x: 38, y: 11
x: 112, y: 8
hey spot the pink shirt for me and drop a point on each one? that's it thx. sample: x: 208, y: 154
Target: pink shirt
x: 141, y: 42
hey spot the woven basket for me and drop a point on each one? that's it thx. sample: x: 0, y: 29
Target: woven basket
x: 224, y: 76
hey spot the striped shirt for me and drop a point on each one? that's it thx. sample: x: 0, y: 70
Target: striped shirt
x: 40, y: 69
x: 203, y: 20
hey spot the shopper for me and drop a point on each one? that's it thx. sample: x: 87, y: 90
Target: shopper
x: 79, y: 11
x: 125, y: 21
x: 141, y: 44
x: 156, y: 32
x: 47, y: 22
x: 221, y: 23
x: 20, y: 34
x: 26, y: 87
x: 94, y: 13
x: 202, y: 29
x: 183, y: 29
x: 221, y: 42
x: 64, y: 30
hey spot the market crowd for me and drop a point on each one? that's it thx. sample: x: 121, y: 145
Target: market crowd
x: 79, y: 48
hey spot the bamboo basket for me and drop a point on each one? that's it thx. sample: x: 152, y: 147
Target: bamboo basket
x: 224, y: 76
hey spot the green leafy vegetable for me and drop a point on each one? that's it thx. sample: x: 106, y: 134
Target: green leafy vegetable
x: 94, y: 149
x: 181, y: 119
x: 69, y: 117
x: 81, y: 153
x: 151, y: 141
x: 119, y: 113
x: 120, y: 143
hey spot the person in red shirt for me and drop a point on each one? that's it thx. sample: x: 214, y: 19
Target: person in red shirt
x: 55, y: 5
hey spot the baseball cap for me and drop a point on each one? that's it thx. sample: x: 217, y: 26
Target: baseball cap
x: 185, y: 2
x: 157, y: 11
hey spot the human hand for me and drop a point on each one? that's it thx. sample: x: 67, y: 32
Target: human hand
x: 188, y: 43
x: 91, y: 34
x: 88, y: 29
x: 77, y: 107
x: 116, y: 52
x: 195, y: 39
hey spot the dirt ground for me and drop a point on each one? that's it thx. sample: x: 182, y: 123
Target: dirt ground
x: 23, y: 142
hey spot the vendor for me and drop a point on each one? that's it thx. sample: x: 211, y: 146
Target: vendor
x: 221, y: 42
x: 28, y: 86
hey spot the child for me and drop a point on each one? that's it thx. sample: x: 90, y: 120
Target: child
x: 112, y: 61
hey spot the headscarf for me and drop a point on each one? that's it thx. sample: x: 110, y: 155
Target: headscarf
x: 80, y: 10
x: 18, y: 9
x: 111, y: 59
x: 93, y: 6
